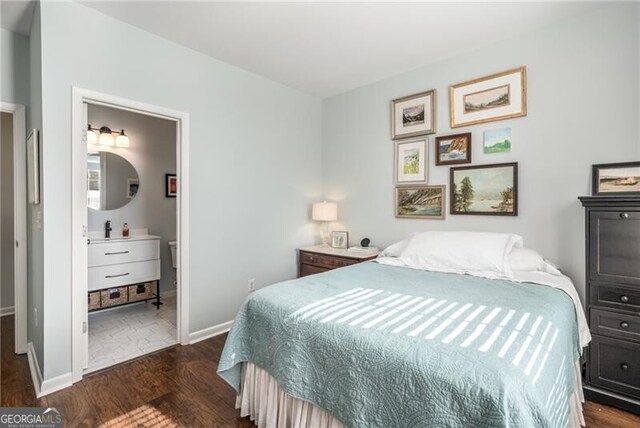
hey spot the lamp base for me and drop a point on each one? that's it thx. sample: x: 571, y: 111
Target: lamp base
x: 324, y: 234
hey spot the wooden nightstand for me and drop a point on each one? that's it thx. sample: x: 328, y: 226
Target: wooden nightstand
x: 321, y: 259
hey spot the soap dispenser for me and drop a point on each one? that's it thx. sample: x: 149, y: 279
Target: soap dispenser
x: 125, y: 230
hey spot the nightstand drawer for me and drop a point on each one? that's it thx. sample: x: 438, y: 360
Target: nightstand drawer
x: 615, y: 365
x: 615, y: 296
x: 310, y: 270
x: 318, y: 260
x: 615, y: 324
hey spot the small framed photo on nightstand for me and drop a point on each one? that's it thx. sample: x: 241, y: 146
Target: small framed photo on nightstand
x: 340, y: 239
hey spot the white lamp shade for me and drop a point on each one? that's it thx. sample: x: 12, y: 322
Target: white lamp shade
x: 325, y: 211
x: 122, y: 141
x: 106, y: 139
x: 92, y: 137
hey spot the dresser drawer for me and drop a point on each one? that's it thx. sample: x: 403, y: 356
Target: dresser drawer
x: 123, y: 274
x: 614, y: 364
x: 328, y: 262
x: 111, y: 253
x: 615, y: 324
x: 310, y: 270
x: 615, y: 296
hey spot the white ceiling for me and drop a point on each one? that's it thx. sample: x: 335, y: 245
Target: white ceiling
x: 325, y: 48
x: 16, y: 16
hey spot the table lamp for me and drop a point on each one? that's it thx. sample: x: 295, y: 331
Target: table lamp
x: 324, y: 212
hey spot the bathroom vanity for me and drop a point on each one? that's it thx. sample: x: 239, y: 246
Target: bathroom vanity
x: 123, y: 270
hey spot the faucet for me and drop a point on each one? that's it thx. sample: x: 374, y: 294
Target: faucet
x: 107, y: 229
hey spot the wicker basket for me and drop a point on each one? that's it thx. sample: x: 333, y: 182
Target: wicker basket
x: 142, y: 291
x: 94, y: 300
x: 113, y: 296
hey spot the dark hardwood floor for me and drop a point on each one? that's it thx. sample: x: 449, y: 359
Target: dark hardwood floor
x: 177, y: 387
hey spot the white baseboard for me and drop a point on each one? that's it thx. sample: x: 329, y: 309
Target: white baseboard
x: 36, y: 374
x: 9, y: 310
x: 45, y: 387
x: 209, y: 332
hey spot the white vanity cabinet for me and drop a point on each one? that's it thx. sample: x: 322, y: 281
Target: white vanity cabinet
x: 120, y: 266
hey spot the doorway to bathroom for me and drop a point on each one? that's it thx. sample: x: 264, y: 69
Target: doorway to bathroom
x: 130, y: 208
x: 131, y: 228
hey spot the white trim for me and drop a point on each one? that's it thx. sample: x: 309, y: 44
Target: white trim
x: 36, y: 374
x: 9, y: 310
x: 19, y: 222
x: 56, y: 384
x: 209, y: 332
x: 79, y: 250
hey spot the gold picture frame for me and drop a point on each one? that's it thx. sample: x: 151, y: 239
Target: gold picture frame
x: 490, y: 98
x: 421, y: 209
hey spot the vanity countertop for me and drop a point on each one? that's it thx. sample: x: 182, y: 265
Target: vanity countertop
x: 97, y: 237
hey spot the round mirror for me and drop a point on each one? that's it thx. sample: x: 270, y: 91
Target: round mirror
x: 112, y: 182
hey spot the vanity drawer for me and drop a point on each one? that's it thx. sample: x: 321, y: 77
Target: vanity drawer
x: 115, y: 252
x: 615, y: 324
x: 615, y: 296
x: 123, y: 274
x: 614, y: 364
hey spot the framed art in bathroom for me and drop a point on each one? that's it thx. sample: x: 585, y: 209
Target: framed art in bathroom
x: 170, y: 185
x: 132, y: 187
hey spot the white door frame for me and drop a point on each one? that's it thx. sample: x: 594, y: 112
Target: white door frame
x: 19, y: 221
x: 79, y: 213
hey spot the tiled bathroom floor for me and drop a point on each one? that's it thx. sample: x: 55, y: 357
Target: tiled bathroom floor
x: 128, y: 332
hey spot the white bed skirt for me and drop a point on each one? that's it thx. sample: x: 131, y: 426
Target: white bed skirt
x: 269, y: 406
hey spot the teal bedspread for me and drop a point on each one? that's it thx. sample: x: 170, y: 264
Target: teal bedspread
x: 385, y: 346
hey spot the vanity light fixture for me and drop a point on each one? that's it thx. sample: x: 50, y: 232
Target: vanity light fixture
x: 106, y: 137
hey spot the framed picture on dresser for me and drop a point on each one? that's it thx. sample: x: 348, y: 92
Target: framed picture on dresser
x: 616, y: 179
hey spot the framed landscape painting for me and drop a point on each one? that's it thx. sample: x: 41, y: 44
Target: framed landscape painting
x: 411, y: 162
x: 616, y: 179
x: 497, y: 140
x: 485, y: 189
x: 425, y: 202
x: 496, y: 97
x: 453, y: 149
x: 413, y: 115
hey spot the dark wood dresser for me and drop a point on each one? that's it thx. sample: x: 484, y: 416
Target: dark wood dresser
x: 613, y: 300
x: 321, y: 259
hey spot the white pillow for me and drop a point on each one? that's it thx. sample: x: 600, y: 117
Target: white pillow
x: 526, y: 259
x: 394, y: 250
x: 478, y: 253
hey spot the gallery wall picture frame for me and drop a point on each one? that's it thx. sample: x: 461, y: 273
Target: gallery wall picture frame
x: 496, y: 184
x: 170, y: 186
x: 489, y: 98
x: 413, y: 115
x: 453, y: 149
x: 622, y: 178
x: 497, y: 140
x: 411, y: 162
x: 33, y: 167
x: 340, y: 239
x: 421, y: 202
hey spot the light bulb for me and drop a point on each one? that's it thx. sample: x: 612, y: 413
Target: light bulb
x: 122, y: 140
x: 106, y: 139
x: 92, y: 137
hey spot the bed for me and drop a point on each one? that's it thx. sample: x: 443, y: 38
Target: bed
x: 386, y: 344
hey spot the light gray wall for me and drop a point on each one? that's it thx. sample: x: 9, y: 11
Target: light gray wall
x: 152, y: 153
x: 14, y: 67
x: 6, y: 211
x: 35, y: 235
x: 582, y: 109
x: 254, y: 161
